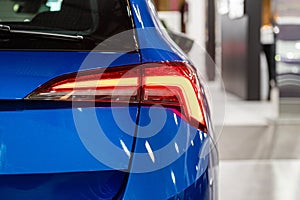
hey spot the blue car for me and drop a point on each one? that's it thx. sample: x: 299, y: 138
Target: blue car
x: 97, y: 102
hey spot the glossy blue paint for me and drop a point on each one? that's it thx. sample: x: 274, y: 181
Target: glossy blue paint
x: 23, y: 71
x: 154, y: 43
x: 47, y: 141
x: 187, y: 177
x: 63, y: 163
x: 199, y: 190
x: 179, y: 154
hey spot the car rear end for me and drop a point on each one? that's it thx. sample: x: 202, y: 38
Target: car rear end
x: 118, y: 114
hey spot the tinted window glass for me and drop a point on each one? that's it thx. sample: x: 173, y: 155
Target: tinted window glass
x: 95, y: 20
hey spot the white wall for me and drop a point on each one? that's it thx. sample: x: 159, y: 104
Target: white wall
x: 195, y: 29
x: 172, y: 19
x: 196, y: 23
x: 196, y: 20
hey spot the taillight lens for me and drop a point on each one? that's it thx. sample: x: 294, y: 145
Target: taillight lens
x: 112, y: 85
x: 173, y: 85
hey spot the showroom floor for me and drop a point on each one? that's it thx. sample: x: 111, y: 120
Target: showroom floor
x: 259, y: 154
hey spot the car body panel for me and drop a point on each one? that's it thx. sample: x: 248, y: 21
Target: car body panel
x: 154, y: 43
x: 51, y: 141
x: 168, y: 162
x: 24, y: 71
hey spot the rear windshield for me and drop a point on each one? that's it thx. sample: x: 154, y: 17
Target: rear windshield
x: 94, y: 20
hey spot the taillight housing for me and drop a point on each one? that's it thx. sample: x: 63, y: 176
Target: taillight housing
x: 172, y: 84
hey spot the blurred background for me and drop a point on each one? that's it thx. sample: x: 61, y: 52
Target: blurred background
x: 255, y: 45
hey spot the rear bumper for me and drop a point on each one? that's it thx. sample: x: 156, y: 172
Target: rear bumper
x: 70, y: 186
x: 89, y: 185
x: 50, y: 154
x: 43, y: 157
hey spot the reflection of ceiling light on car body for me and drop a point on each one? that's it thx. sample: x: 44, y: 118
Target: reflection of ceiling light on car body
x: 150, y: 152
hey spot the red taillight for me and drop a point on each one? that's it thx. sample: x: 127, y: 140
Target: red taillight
x: 173, y: 85
x: 112, y: 85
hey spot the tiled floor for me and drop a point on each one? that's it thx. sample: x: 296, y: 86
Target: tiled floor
x: 260, y: 155
x: 260, y: 180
